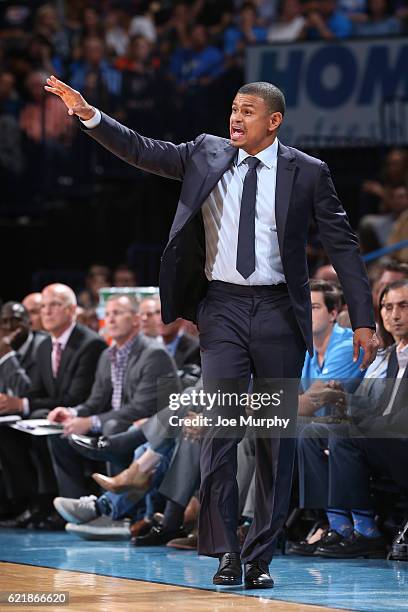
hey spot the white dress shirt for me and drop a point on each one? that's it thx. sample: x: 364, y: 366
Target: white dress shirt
x: 221, y: 212
x: 402, y: 357
x: 221, y: 220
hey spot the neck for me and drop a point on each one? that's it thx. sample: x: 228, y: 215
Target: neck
x: 169, y: 337
x: 58, y: 333
x: 261, y: 146
x: 122, y: 341
x: 321, y: 341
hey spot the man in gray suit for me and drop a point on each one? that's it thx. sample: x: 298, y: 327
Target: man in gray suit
x: 236, y: 263
x: 133, y: 380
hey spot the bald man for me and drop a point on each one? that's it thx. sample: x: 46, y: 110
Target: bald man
x: 32, y: 303
x: 66, y: 362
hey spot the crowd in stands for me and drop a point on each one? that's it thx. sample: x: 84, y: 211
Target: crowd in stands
x: 119, y: 468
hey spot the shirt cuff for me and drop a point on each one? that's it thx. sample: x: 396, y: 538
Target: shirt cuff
x: 5, y: 357
x: 93, y: 121
x: 26, y: 407
x: 96, y: 425
x: 73, y: 411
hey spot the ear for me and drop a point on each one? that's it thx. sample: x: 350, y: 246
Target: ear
x: 275, y: 119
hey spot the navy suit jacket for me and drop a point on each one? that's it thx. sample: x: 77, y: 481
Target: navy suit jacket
x: 304, y: 190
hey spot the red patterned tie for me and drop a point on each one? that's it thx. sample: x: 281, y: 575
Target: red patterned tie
x: 57, y: 349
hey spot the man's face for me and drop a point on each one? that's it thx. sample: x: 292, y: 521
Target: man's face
x: 150, y: 315
x: 386, y: 278
x: 121, y: 321
x: 322, y: 319
x: 13, y: 317
x: 32, y: 304
x: 399, y: 199
x: 394, y: 311
x: 57, y: 313
x: 252, y: 125
x: 124, y: 278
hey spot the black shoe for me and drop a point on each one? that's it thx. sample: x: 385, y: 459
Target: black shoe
x: 329, y: 537
x: 257, y: 575
x: 229, y: 571
x: 97, y: 449
x: 157, y: 536
x: 51, y: 522
x: 25, y: 520
x: 356, y: 545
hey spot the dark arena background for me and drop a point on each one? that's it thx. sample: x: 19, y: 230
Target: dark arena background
x: 73, y: 213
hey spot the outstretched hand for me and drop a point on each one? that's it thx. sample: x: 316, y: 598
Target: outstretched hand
x: 72, y: 99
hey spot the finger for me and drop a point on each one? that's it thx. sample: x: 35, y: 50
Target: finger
x: 60, y: 84
x: 53, y: 90
x: 368, y: 357
x: 356, y: 349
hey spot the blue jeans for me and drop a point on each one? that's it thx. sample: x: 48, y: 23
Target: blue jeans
x: 118, y: 506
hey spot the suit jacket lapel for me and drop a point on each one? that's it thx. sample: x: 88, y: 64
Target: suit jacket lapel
x: 133, y: 357
x: 218, y: 164
x: 285, y: 176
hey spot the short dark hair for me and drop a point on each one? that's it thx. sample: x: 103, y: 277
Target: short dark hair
x: 332, y: 295
x: 395, y: 285
x: 270, y: 94
x: 395, y: 266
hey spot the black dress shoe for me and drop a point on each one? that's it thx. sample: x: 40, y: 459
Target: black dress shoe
x: 229, y: 571
x: 355, y: 546
x: 97, y: 449
x: 329, y: 537
x: 257, y: 575
x: 157, y: 536
x: 25, y: 520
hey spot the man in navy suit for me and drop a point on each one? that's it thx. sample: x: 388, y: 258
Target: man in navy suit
x: 236, y: 263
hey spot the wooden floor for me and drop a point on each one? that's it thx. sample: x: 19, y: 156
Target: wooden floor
x: 91, y: 593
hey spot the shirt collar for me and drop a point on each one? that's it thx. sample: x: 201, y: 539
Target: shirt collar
x: 126, y: 348
x: 267, y: 156
x: 64, y: 337
x: 24, y: 347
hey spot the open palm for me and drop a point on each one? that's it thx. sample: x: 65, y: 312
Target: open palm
x: 72, y: 99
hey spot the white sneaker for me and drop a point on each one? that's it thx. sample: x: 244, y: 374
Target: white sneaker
x: 101, y: 528
x: 76, y: 511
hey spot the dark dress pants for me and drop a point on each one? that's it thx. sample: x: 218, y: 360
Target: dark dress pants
x: 246, y: 330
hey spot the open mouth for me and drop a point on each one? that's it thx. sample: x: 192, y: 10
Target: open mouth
x: 236, y: 132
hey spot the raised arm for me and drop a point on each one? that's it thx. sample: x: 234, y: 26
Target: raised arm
x: 156, y: 156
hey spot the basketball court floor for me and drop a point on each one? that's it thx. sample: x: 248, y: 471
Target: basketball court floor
x: 116, y: 576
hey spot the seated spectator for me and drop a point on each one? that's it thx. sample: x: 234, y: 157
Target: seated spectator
x: 48, y: 27
x: 182, y: 347
x: 199, y: 63
x: 150, y: 314
x: 133, y: 377
x: 144, y: 23
x: 9, y: 99
x: 42, y: 117
x: 356, y: 10
x: 327, y: 22
x: 88, y: 317
x: 123, y: 276
x: 380, y: 22
x: 116, y: 32
x: 375, y: 229
x: 340, y: 480
x: 389, y: 273
x: 245, y: 32
x: 64, y: 373
x: 399, y: 233
x: 32, y: 303
x: 326, y: 273
x: 290, y: 23
x: 97, y: 277
x: 393, y: 173
x: 333, y: 356
x: 19, y: 344
x: 95, y: 76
